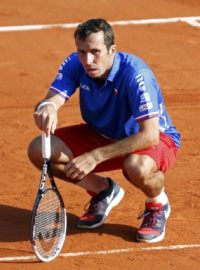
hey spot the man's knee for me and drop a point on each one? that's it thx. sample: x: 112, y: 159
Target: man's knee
x: 138, y: 169
x: 60, y: 153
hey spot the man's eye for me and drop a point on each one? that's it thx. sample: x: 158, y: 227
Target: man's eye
x: 95, y: 51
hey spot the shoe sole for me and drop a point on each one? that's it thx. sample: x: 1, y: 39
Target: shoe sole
x: 114, y: 203
x: 160, y: 237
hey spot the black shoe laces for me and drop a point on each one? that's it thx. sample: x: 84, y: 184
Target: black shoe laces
x: 96, y: 203
x: 93, y: 206
x: 151, y: 218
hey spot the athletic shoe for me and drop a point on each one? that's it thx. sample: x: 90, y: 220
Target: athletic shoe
x: 154, y: 222
x: 100, y: 206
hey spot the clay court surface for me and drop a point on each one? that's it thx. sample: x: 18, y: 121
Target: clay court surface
x: 28, y: 63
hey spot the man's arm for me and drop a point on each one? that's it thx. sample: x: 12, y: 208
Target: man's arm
x: 148, y: 136
x: 45, y: 114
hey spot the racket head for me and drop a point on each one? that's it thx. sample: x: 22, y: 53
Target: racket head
x: 49, y: 225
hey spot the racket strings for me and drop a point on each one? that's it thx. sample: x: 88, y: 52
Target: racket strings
x: 49, y: 222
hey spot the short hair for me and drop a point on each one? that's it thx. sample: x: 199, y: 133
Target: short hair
x: 86, y: 28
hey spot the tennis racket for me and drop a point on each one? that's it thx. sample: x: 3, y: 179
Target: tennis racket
x: 49, y: 220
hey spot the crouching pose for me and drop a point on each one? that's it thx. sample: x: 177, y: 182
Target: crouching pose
x: 125, y: 126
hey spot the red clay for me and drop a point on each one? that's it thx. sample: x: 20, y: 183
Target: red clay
x: 28, y: 63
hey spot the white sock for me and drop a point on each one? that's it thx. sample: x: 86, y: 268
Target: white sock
x: 161, y: 198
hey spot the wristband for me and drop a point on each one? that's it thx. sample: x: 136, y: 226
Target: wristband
x: 46, y: 103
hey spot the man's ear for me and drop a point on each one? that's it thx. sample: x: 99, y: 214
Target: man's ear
x: 112, y: 49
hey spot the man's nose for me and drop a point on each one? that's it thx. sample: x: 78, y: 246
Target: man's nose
x: 89, y: 58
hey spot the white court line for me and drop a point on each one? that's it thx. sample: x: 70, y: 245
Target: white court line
x: 104, y: 252
x: 190, y: 20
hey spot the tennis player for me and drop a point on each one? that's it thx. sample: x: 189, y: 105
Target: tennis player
x: 125, y: 126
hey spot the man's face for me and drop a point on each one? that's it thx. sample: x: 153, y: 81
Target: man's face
x: 94, y: 56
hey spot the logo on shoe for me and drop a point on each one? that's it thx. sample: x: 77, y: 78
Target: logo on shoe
x: 110, y: 197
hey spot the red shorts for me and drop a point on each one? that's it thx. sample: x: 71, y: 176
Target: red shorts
x: 82, y: 138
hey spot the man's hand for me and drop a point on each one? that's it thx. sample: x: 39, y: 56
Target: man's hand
x: 45, y: 114
x: 80, y: 166
x: 46, y: 117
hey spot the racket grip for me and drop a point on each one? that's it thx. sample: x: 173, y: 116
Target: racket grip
x: 46, y: 146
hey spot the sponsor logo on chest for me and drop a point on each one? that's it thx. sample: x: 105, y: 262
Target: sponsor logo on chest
x: 84, y: 86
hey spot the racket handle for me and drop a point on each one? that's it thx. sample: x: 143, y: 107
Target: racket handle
x: 46, y: 146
